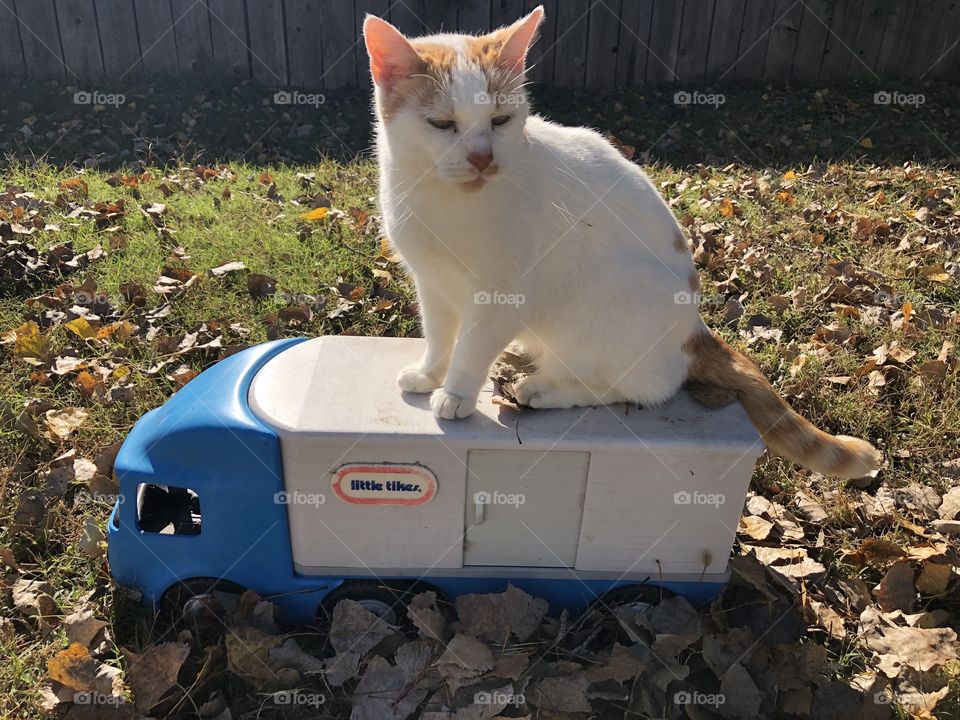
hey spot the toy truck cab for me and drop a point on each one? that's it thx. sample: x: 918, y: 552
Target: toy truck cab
x: 299, y: 470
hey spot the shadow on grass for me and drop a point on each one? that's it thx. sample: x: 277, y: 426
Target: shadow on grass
x: 165, y: 121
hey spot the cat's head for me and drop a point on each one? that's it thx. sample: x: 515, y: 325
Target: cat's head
x: 452, y: 105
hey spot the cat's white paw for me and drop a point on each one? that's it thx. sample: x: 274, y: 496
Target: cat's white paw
x: 414, y: 379
x: 451, y: 407
x: 537, y: 393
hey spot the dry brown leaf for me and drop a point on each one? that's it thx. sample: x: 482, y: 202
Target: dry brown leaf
x: 63, y: 423
x: 75, y: 668
x: 152, y: 673
x: 919, y: 648
x: 934, y: 578
x: 895, y: 591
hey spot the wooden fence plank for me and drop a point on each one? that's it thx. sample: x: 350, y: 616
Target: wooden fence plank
x: 191, y: 27
x: 866, y: 46
x: 157, y: 41
x: 268, y: 46
x: 725, y: 37
x: 570, y: 58
x: 947, y: 43
x: 695, y: 40
x: 361, y: 9
x: 755, y: 37
x: 80, y: 39
x: 505, y: 12
x: 11, y: 51
x: 664, y: 41
x: 541, y: 56
x: 410, y: 17
x: 339, y: 41
x: 893, y: 49
x: 117, y: 22
x: 40, y: 38
x: 304, y: 49
x: 839, y: 55
x: 920, y: 54
x: 811, y: 40
x: 632, y: 50
x: 603, y: 44
x: 473, y: 16
x: 228, y: 28
x: 783, y: 39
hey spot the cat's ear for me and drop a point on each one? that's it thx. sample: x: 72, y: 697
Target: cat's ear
x: 520, y: 36
x: 392, y: 57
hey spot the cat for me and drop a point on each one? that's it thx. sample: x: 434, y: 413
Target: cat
x: 516, y: 230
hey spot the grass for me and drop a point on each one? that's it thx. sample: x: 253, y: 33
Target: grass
x: 765, y: 171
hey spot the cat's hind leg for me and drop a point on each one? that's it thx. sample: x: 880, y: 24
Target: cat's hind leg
x: 540, y: 391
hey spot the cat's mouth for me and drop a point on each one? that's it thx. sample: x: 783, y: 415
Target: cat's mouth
x: 479, y: 180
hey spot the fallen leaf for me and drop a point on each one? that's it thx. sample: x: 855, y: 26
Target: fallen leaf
x: 63, y: 423
x: 919, y: 648
x: 153, y: 673
x: 75, y: 668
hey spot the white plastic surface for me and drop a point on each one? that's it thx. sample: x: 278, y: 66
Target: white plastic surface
x: 609, y: 489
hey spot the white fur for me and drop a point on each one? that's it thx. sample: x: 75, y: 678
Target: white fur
x: 565, y: 222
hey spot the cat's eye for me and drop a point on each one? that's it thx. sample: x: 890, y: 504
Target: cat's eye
x: 441, y: 124
x: 500, y: 120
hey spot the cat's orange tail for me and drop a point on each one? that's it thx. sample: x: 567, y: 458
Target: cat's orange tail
x: 714, y: 362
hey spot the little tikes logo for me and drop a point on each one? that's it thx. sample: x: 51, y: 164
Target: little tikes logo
x: 384, y: 484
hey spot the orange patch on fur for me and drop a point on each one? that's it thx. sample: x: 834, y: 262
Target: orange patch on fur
x: 438, y: 61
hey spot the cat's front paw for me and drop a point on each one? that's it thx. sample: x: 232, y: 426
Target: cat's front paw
x: 447, y: 406
x: 414, y: 379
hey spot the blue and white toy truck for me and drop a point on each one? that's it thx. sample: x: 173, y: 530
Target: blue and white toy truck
x: 297, y: 469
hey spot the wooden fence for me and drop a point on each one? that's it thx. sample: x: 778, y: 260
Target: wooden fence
x: 314, y: 44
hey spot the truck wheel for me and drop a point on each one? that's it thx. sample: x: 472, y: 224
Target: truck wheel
x: 388, y: 601
x: 204, y: 600
x: 637, y: 596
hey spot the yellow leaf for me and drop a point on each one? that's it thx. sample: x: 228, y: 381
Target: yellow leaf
x: 866, y: 143
x: 82, y: 328
x: 789, y: 175
x: 907, y: 310
x: 28, y: 342
x: 726, y: 208
x: 387, y: 250
x: 122, y: 330
x: 936, y: 273
x: 316, y: 214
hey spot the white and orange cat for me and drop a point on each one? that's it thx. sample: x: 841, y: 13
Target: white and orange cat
x: 518, y: 230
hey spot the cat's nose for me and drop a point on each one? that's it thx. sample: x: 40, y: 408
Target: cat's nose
x: 480, y: 160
